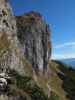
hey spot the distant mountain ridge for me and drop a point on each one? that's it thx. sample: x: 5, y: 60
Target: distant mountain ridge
x: 69, y: 61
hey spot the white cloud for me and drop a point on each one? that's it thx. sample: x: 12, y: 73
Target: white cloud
x: 57, y: 56
x: 63, y: 56
x: 63, y: 51
x: 67, y: 44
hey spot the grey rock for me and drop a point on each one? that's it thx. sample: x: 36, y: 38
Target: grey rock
x: 10, y: 53
x: 34, y: 36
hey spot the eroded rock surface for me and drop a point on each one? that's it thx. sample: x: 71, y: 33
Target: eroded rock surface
x: 34, y: 36
x: 10, y: 53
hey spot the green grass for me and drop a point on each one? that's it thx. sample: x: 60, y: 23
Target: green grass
x: 63, y: 82
x: 56, y: 82
x: 28, y: 85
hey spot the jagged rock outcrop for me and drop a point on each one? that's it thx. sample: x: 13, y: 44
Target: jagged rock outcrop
x: 10, y: 53
x: 34, y: 36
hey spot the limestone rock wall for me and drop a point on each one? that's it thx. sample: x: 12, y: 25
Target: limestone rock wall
x: 34, y: 36
x: 10, y: 52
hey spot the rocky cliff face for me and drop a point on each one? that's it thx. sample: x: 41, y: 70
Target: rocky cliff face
x: 10, y: 53
x: 30, y: 40
x: 34, y: 36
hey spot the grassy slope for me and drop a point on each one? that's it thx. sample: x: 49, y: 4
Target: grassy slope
x: 63, y: 80
x: 60, y: 78
x: 55, y: 78
x: 56, y: 82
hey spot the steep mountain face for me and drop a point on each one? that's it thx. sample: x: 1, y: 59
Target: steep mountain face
x: 33, y: 44
x: 10, y: 53
x: 34, y: 36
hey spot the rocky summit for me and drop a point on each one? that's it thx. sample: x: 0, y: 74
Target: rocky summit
x: 34, y: 36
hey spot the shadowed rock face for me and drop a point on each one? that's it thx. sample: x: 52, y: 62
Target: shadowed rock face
x: 34, y: 36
